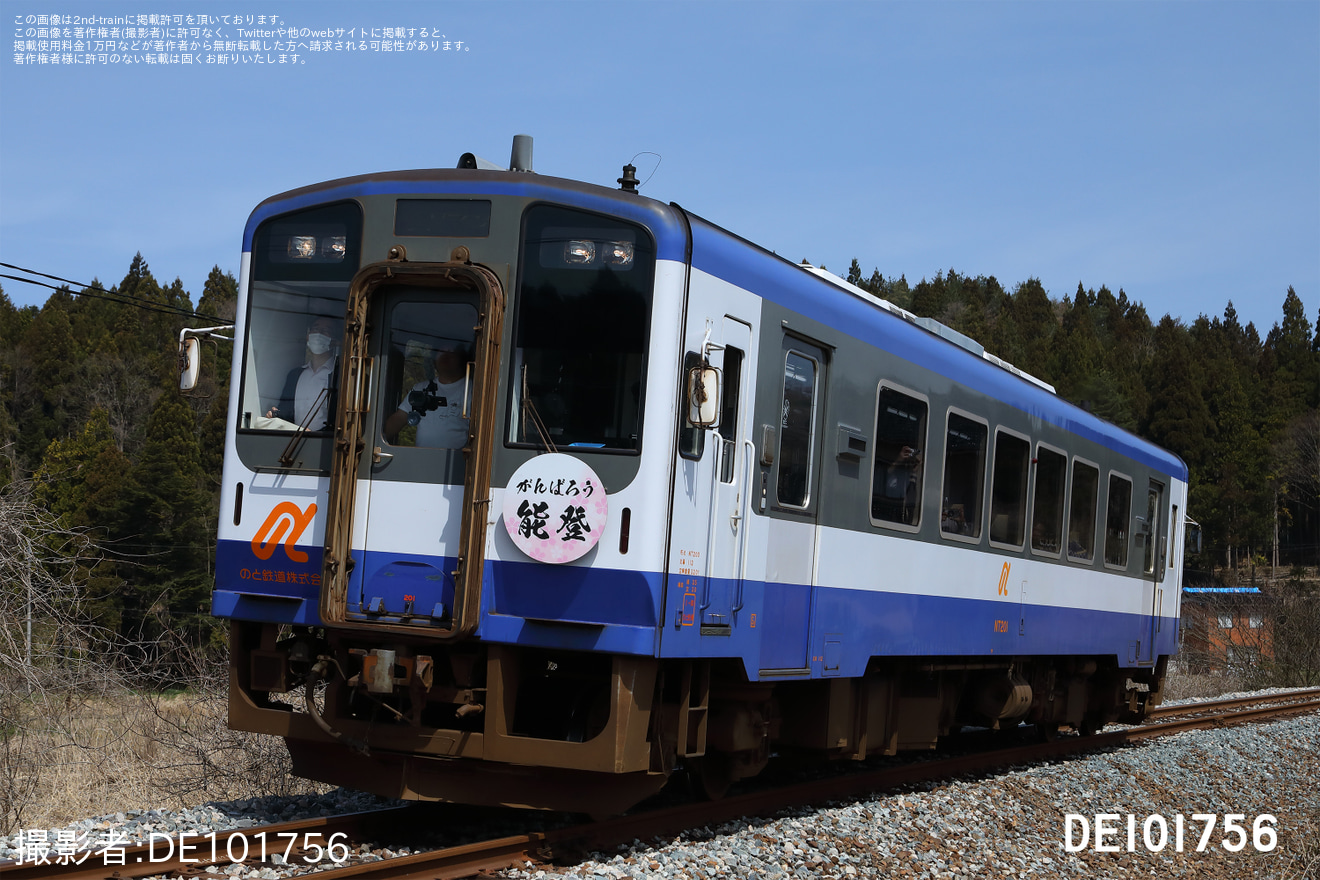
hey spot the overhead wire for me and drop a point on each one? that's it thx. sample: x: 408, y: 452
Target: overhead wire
x: 109, y: 295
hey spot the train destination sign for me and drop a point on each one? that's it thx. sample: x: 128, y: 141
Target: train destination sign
x: 555, y: 508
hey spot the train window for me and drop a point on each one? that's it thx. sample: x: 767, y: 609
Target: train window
x: 1168, y: 544
x: 1047, y: 502
x: 793, y: 485
x: 964, y: 476
x: 579, y: 348
x: 1150, y: 535
x: 691, y: 439
x: 1081, y: 511
x: 900, y: 446
x: 733, y: 359
x: 302, y: 264
x: 1117, y: 516
x: 1008, y: 489
x: 427, y: 379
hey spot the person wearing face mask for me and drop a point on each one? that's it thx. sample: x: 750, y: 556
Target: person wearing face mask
x: 304, y: 385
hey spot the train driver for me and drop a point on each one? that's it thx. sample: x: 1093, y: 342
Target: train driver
x: 311, y: 385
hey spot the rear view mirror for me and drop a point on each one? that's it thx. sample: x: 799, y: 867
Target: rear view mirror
x: 190, y: 363
x: 190, y: 352
x: 703, y: 396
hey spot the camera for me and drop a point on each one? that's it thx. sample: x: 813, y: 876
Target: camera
x: 422, y: 402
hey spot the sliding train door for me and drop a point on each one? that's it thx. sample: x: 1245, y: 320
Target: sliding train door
x: 791, y: 490
x: 1154, y: 548
x: 726, y: 558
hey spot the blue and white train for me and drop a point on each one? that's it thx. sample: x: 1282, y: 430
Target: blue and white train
x: 586, y: 490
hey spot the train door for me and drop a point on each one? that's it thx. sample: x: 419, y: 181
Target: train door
x: 414, y: 505
x: 413, y: 451
x: 1152, y: 567
x: 790, y: 489
x: 726, y: 556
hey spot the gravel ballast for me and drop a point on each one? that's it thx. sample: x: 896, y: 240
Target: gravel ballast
x: 1011, y: 824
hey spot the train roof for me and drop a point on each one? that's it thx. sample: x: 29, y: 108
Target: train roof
x: 656, y: 215
x: 802, y: 288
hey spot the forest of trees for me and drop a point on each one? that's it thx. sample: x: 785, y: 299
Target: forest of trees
x: 94, y: 429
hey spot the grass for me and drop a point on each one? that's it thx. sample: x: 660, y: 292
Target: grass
x: 68, y: 758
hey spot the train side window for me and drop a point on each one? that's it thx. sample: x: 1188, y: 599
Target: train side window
x: 1168, y: 543
x: 899, y: 462
x: 1008, y: 489
x: 1047, y: 502
x: 1151, y: 533
x: 964, y: 477
x: 733, y: 359
x: 691, y: 439
x: 1117, y: 516
x: 1081, y: 511
x: 797, y: 421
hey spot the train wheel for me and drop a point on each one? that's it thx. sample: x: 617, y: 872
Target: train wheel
x: 1047, y: 731
x: 711, y: 775
x: 1091, y: 725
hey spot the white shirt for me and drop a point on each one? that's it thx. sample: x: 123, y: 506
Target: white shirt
x: 443, y: 427
x: 311, y: 382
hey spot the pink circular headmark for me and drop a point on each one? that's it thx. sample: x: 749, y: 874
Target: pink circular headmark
x: 555, y: 508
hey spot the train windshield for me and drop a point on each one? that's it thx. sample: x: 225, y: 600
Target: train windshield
x: 584, y: 304
x: 302, y: 264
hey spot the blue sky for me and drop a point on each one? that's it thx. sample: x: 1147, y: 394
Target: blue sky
x: 1169, y: 149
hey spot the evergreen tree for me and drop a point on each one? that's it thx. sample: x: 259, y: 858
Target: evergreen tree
x: 46, y: 365
x: 1179, y: 419
x: 1034, y: 315
x: 82, y: 481
x: 168, y: 506
x: 929, y: 297
x: 854, y: 273
x: 1077, y: 353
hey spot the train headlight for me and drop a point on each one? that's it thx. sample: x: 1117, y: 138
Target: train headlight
x: 302, y: 247
x: 618, y: 253
x: 579, y: 252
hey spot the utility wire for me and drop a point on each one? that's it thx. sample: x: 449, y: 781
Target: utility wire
x: 127, y: 298
x: 164, y: 310
x: 124, y: 298
x: 110, y: 295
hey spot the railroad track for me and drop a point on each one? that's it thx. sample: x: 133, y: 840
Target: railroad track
x: 1211, y: 706
x: 575, y: 840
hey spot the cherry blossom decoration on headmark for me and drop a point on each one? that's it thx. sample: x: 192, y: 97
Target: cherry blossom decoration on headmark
x: 555, y: 508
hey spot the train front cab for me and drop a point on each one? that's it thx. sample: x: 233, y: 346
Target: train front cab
x: 444, y: 662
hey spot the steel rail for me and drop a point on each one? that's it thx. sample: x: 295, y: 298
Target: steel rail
x: 1219, y: 705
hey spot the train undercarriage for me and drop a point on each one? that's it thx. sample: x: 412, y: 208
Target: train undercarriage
x: 596, y: 733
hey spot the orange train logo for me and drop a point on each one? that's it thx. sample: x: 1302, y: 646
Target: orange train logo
x: 286, y: 524
x: 1003, y: 578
